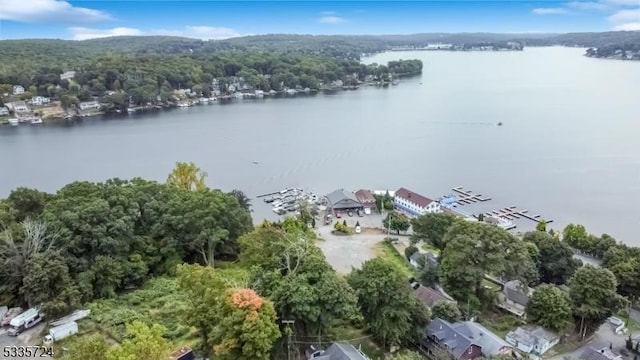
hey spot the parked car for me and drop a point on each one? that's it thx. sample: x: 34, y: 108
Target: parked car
x: 360, y: 213
x: 350, y: 213
x: 338, y: 215
x: 358, y: 230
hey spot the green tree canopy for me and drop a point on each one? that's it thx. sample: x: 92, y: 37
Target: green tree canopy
x: 143, y: 342
x: 594, y: 298
x: 431, y: 228
x: 396, y: 221
x: 392, y: 313
x: 187, y: 176
x: 446, y: 310
x: 550, y: 308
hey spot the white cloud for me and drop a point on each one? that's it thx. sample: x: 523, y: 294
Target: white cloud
x: 549, y: 11
x: 34, y: 11
x: 331, y: 20
x: 196, y: 32
x: 83, y: 33
x: 588, y: 5
x: 626, y: 20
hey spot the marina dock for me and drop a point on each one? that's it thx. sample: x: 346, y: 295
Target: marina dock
x: 512, y: 213
x: 468, y: 197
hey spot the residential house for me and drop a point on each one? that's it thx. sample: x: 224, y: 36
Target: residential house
x: 17, y: 106
x: 463, y: 340
x: 4, y: 111
x: 18, y: 89
x: 40, y: 100
x: 366, y: 198
x: 414, y: 204
x: 515, y: 297
x: 89, y: 105
x: 429, y: 296
x: 343, y: 200
x: 600, y: 354
x: 337, y: 351
x: 67, y: 75
x: 532, y: 339
x: 426, y: 258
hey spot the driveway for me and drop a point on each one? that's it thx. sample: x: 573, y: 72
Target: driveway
x: 30, y: 337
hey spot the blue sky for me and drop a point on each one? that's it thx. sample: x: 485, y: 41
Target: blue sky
x: 203, y: 19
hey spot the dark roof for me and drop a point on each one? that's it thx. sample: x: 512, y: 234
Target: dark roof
x: 444, y: 332
x: 429, y: 296
x: 593, y: 354
x: 516, y: 292
x: 341, y: 351
x: 365, y: 197
x: 413, y: 197
x: 459, y: 336
x: 341, y: 199
x: 184, y: 353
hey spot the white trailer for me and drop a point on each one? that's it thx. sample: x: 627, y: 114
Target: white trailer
x: 60, y: 332
x: 24, y: 321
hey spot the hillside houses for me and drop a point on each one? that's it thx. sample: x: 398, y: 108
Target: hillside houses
x: 515, y: 297
x: 463, y: 340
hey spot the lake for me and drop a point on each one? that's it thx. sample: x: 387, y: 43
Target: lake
x: 568, y: 149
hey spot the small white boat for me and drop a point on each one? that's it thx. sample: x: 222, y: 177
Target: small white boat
x: 36, y: 121
x: 184, y: 105
x: 13, y: 122
x: 203, y: 100
x: 213, y: 99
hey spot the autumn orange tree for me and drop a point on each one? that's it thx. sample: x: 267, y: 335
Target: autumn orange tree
x: 248, y: 330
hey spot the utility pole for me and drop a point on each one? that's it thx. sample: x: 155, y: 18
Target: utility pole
x: 289, y: 332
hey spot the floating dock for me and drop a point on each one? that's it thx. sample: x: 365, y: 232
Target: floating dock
x: 468, y: 197
x: 512, y: 213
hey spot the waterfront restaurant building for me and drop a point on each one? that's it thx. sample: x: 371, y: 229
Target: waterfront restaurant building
x: 414, y: 204
x: 341, y: 200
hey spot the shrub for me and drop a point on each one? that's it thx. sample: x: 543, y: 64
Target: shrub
x: 410, y: 250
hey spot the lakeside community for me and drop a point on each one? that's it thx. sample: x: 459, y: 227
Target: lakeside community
x: 503, y: 297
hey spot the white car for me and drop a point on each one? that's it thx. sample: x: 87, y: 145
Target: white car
x: 358, y: 230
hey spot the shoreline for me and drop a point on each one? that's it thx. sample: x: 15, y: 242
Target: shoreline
x: 224, y: 99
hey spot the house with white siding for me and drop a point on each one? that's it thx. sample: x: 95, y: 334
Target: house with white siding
x: 4, y: 111
x: 89, y: 105
x: 414, y: 204
x: 40, y: 100
x: 18, y: 89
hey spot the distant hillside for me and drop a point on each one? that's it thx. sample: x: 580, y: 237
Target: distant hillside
x: 23, y: 54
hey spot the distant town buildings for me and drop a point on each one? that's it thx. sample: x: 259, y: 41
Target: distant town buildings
x: 89, y: 105
x: 67, y: 75
x: 414, y: 204
x: 18, y: 90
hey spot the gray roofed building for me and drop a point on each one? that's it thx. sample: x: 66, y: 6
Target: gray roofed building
x: 532, y: 339
x: 343, y: 200
x: 515, y: 297
x: 466, y: 340
x: 338, y: 351
x: 428, y: 296
x: 599, y: 354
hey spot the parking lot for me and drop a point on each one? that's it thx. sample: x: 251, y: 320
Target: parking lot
x: 344, y: 252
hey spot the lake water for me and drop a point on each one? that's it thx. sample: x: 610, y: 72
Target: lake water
x: 568, y: 149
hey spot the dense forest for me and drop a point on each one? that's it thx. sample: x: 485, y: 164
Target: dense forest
x: 149, y: 72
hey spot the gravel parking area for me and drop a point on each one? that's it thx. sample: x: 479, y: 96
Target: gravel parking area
x: 30, y: 337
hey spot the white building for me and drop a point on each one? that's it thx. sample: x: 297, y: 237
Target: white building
x: 40, y: 100
x: 533, y: 340
x: 67, y: 75
x: 414, y: 204
x: 89, y: 105
x: 4, y: 111
x: 18, y: 89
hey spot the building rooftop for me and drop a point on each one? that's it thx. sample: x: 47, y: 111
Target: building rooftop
x: 532, y: 335
x: 413, y: 197
x: 341, y: 199
x: 429, y: 296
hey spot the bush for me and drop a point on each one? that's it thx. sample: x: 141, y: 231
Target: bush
x: 410, y: 250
